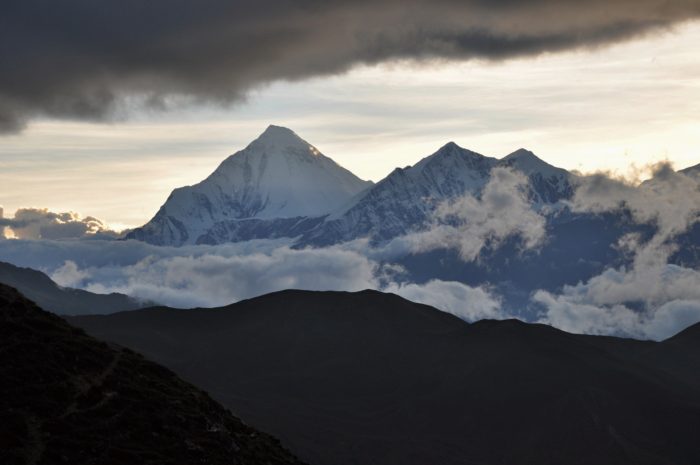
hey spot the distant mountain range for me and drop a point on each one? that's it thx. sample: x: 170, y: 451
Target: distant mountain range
x: 405, y: 201
x: 282, y: 186
x: 38, y: 287
x: 370, y: 378
x: 67, y: 398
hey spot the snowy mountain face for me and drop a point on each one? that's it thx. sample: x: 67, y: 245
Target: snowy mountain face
x: 278, y: 179
x: 406, y: 199
x: 547, y: 184
x: 281, y: 186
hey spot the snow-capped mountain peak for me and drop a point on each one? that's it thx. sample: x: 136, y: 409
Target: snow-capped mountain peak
x: 406, y: 199
x: 281, y: 140
x: 527, y: 162
x: 453, y: 154
x: 452, y: 170
x: 547, y: 183
x: 282, y: 186
x: 277, y: 176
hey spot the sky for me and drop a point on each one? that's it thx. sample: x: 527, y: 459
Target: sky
x: 612, y: 103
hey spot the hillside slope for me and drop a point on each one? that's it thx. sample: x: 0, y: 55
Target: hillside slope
x: 39, y: 288
x: 370, y: 378
x: 68, y: 398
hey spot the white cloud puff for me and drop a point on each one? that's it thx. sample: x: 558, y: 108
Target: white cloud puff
x: 469, y: 224
x: 465, y: 302
x: 40, y: 223
x: 580, y: 316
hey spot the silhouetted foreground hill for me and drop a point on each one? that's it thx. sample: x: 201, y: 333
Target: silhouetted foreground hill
x: 370, y: 378
x: 38, y: 287
x: 68, y: 398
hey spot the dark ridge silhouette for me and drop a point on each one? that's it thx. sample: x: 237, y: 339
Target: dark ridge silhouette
x: 373, y: 379
x: 66, y: 398
x: 38, y: 287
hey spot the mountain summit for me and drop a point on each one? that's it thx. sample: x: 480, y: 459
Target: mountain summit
x: 281, y: 139
x: 278, y: 176
x: 547, y: 183
x: 405, y: 201
x: 282, y: 186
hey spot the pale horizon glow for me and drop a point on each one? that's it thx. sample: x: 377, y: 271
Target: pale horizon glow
x: 605, y: 109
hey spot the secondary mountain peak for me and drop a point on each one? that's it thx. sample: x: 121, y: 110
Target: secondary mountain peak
x: 522, y: 153
x: 452, y: 148
x: 405, y: 200
x: 451, y: 156
x: 547, y: 183
x: 526, y: 161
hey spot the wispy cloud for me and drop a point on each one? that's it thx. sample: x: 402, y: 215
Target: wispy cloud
x: 470, y: 223
x: 466, y: 302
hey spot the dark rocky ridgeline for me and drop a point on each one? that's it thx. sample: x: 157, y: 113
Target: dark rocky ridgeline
x: 38, y: 287
x: 373, y: 379
x: 67, y: 398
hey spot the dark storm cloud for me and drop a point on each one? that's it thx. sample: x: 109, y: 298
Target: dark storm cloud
x: 91, y: 59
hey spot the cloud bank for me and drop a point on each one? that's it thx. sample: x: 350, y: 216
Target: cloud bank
x: 40, y: 223
x: 209, y: 276
x: 651, y: 298
x: 647, y: 303
x: 97, y: 60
